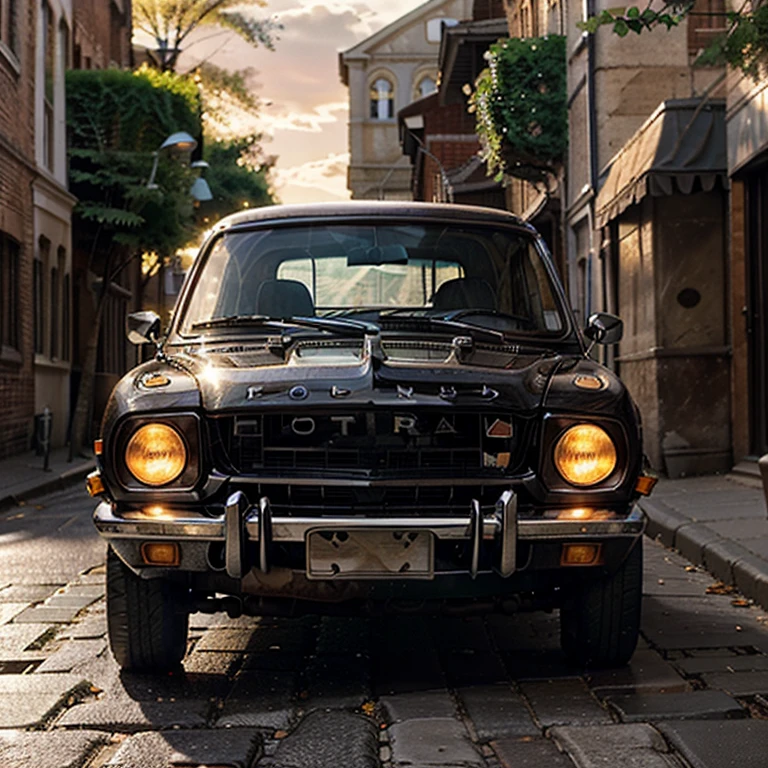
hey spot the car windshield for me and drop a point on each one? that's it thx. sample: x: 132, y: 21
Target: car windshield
x: 388, y: 275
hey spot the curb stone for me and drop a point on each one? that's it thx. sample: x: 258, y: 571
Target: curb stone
x: 727, y: 560
x: 47, y: 483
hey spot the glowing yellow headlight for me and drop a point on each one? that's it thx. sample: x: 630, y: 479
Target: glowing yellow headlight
x: 155, y: 454
x: 585, y: 455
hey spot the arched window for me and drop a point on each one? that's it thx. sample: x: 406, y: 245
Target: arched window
x: 382, y: 99
x: 426, y: 86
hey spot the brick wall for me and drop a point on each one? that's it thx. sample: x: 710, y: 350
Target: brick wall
x: 102, y: 34
x: 16, y: 175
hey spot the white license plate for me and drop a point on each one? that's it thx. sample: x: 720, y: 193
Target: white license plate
x: 365, y: 554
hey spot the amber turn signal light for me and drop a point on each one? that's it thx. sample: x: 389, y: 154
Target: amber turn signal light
x: 645, y: 484
x: 160, y: 553
x: 581, y: 554
x: 94, y: 484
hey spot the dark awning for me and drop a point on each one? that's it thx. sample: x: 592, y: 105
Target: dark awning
x: 681, y: 148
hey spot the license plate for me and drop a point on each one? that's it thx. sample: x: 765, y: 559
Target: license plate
x: 364, y: 554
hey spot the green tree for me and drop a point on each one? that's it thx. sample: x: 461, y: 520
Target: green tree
x: 171, y: 22
x: 742, y: 45
x: 116, y: 121
x: 238, y: 176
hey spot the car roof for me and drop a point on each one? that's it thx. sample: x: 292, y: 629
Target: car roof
x: 371, y: 209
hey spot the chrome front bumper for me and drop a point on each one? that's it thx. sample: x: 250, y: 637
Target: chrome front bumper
x: 243, y: 523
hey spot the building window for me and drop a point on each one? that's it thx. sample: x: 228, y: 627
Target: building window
x: 66, y: 319
x: 9, y: 25
x: 706, y: 22
x: 9, y: 292
x: 426, y: 86
x: 49, y: 55
x: 382, y: 99
x: 38, y: 293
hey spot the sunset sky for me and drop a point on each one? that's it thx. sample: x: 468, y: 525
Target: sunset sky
x: 304, y: 108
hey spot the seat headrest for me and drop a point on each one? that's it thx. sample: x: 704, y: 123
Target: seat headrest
x: 464, y: 293
x: 283, y: 299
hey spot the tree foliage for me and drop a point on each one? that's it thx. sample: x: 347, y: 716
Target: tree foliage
x: 238, y: 176
x: 171, y: 22
x: 116, y: 121
x: 520, y: 105
x: 742, y: 45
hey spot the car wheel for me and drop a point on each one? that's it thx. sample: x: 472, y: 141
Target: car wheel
x: 600, y: 620
x: 147, y: 619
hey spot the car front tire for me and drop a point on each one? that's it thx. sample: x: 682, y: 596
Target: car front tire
x: 147, y: 619
x: 600, y: 620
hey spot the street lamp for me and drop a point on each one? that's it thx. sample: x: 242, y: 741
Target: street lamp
x: 181, y: 141
x: 200, y: 190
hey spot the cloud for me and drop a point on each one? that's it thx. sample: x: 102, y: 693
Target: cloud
x: 326, y: 177
x: 282, y: 119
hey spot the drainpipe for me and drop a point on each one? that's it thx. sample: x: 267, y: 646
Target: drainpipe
x: 593, y: 161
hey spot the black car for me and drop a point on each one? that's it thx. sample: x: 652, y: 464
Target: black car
x: 371, y: 408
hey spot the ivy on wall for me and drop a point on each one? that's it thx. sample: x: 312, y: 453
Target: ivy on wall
x: 519, y: 102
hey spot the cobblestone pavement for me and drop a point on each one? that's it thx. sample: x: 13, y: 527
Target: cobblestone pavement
x: 359, y: 693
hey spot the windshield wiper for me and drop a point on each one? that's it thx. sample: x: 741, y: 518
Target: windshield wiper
x: 443, y: 326
x: 339, y: 326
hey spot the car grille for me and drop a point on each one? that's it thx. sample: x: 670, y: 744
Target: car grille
x: 436, y: 442
x: 401, y: 501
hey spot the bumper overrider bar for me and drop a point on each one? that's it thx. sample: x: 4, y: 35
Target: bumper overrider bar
x: 243, y: 523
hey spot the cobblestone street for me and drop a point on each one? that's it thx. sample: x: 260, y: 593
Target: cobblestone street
x: 330, y: 692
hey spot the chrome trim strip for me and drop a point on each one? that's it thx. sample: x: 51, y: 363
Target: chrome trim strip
x: 295, y: 529
x: 374, y: 483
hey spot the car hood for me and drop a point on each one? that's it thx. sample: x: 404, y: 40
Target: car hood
x: 228, y: 377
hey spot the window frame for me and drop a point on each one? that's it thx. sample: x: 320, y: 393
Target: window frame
x: 10, y: 327
x: 374, y: 105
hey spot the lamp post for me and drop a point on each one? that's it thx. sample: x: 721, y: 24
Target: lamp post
x: 200, y: 190
x: 181, y: 141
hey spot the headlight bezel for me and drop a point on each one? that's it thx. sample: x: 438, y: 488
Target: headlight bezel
x: 555, y: 427
x: 187, y: 425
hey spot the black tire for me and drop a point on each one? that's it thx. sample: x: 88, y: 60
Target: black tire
x: 147, y: 619
x: 600, y: 620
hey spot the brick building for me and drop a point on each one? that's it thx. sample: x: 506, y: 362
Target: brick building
x: 437, y: 131
x: 101, y: 36
x: 38, y: 289
x: 17, y: 173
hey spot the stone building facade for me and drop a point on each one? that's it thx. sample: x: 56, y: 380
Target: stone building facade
x: 645, y: 227
x: 384, y: 73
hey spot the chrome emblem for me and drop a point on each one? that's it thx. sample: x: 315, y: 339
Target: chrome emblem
x: 303, y: 425
x: 299, y: 392
x: 444, y: 428
x: 253, y: 393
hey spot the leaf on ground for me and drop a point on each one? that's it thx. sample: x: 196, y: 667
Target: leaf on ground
x: 281, y: 734
x: 741, y: 603
x: 718, y: 588
x: 368, y: 708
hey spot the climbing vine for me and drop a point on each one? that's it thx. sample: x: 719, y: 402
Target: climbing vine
x: 520, y: 105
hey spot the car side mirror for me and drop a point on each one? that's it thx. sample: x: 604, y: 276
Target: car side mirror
x: 604, y: 328
x: 142, y: 327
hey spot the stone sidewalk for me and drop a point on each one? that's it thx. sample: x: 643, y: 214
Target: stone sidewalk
x: 23, y: 477
x: 718, y: 522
